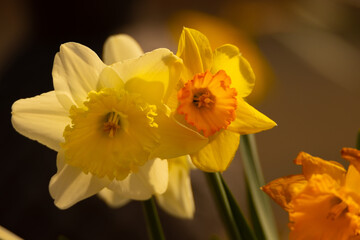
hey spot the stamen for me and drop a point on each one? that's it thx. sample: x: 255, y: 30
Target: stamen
x: 203, y: 98
x: 112, y: 124
x: 337, y: 210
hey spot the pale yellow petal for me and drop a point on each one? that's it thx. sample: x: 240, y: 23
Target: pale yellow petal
x: 7, y: 235
x: 178, y: 199
x: 41, y: 118
x: 176, y: 139
x: 70, y: 185
x: 282, y: 190
x: 249, y: 120
x: 120, y: 47
x: 150, y: 179
x: 153, y: 75
x: 75, y: 72
x: 314, y: 165
x: 195, y: 51
x: 109, y: 79
x: 229, y: 59
x: 218, y: 154
x: 112, y: 199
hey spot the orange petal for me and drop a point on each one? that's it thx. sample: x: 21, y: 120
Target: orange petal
x: 315, y: 165
x: 282, y: 190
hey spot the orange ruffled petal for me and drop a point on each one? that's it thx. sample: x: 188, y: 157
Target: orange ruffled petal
x: 208, y: 102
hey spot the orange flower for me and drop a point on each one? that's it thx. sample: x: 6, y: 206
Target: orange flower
x: 324, y: 201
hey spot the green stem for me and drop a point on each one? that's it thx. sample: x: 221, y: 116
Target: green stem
x: 263, y: 218
x: 153, y: 224
x: 222, y: 202
x: 245, y: 230
x: 358, y: 141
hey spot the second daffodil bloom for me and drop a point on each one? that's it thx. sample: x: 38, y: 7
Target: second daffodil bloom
x: 210, y: 99
x: 324, y: 201
x: 107, y: 121
x: 177, y: 200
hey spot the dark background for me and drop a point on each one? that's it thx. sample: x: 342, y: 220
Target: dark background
x: 309, y: 84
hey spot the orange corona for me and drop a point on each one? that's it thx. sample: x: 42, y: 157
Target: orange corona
x: 208, y: 102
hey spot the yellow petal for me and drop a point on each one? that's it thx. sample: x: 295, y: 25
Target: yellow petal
x: 249, y: 120
x: 153, y: 75
x: 229, y: 59
x: 178, y: 199
x: 195, y: 51
x: 112, y: 198
x: 70, y: 185
x: 41, y: 118
x: 176, y: 139
x: 75, y: 73
x: 152, y: 178
x: 120, y: 47
x: 218, y: 154
x: 314, y: 165
x: 282, y: 190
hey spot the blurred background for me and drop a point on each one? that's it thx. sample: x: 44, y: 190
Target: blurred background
x: 305, y: 54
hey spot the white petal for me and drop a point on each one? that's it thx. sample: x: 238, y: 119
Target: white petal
x: 70, y: 185
x: 75, y: 73
x: 178, y: 199
x: 120, y: 47
x: 41, y: 118
x: 150, y: 179
x: 112, y: 199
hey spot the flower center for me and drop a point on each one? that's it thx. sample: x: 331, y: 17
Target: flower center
x: 208, y: 102
x: 203, y: 98
x: 112, y: 124
x: 111, y: 135
x: 337, y: 209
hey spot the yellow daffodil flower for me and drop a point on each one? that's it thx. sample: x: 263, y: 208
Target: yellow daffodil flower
x: 324, y: 201
x: 210, y: 99
x: 107, y: 121
x: 177, y: 200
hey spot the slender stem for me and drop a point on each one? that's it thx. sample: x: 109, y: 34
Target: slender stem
x: 222, y: 202
x: 358, y: 141
x: 264, y: 219
x: 244, y: 228
x: 153, y: 224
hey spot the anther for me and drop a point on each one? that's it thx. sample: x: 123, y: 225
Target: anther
x: 112, y: 124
